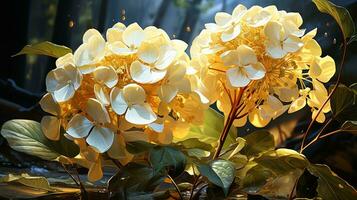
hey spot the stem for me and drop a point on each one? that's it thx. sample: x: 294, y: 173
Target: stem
x: 77, y: 182
x: 231, y: 117
x: 83, y: 189
x: 194, y: 186
x: 70, y: 175
x: 329, y: 96
x: 318, y: 135
x: 175, y: 185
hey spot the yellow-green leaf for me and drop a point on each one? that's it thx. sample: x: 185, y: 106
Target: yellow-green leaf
x: 45, y: 48
x: 26, y: 136
x: 37, y: 182
x: 340, y: 14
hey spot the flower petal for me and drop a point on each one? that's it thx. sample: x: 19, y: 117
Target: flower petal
x: 118, y: 150
x: 237, y: 78
x: 97, y: 111
x: 328, y: 65
x: 95, y: 172
x: 148, y: 52
x: 292, y: 44
x: 231, y: 33
x: 134, y: 94
x: 133, y: 35
x: 167, y: 92
x: 166, y: 57
x: 101, y: 94
x: 297, y: 104
x: 255, y: 71
x: 144, y: 74
x: 106, y: 75
x: 79, y: 126
x: 51, y: 127
x: 49, y: 105
x: 101, y: 138
x: 257, y: 120
x: 120, y: 48
x: 222, y: 18
x: 275, y: 50
x: 230, y: 58
x: 118, y: 102
x: 140, y: 114
x: 64, y: 94
x: 132, y: 136
x: 273, y: 31
x: 246, y: 55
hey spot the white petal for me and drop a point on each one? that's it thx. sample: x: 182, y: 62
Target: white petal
x: 167, y: 92
x: 65, y: 60
x: 140, y: 114
x: 64, y: 94
x: 56, y: 79
x: 230, y: 58
x: 134, y: 94
x: 114, y: 35
x: 120, y: 48
x: 79, y: 126
x: 273, y: 30
x: 167, y: 56
x: 144, y: 74
x: 256, y: 71
x: 101, y: 138
x: 49, y: 105
x: 148, y: 52
x: 97, y: 111
x: 51, y: 127
x: 237, y: 78
x: 133, y: 35
x: 231, y: 33
x: 157, y: 127
x: 222, y: 18
x: 82, y: 55
x: 117, y: 101
x: 246, y: 55
x: 238, y: 11
x: 101, y: 94
x: 275, y: 50
x: 90, y: 33
x: 106, y: 75
x: 292, y: 44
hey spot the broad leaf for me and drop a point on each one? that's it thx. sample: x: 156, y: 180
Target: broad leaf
x: 258, y: 142
x: 340, y: 14
x: 219, y: 172
x: 211, y: 129
x: 238, y: 146
x: 26, y: 136
x: 134, y: 178
x: 45, y: 48
x: 342, y: 102
x: 169, y: 158
x: 306, y: 185
x: 330, y: 186
x: 37, y: 182
x: 350, y: 126
x: 194, y: 143
x: 139, y: 147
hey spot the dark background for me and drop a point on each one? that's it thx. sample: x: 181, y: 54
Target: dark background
x: 64, y: 22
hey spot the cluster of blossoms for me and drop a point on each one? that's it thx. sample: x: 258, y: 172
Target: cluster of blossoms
x: 257, y: 64
x: 135, y: 85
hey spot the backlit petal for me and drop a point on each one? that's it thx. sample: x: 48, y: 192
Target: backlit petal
x: 134, y: 94
x: 237, y: 78
x: 101, y: 94
x: 49, y: 105
x: 255, y: 71
x: 51, y: 127
x: 64, y: 94
x: 118, y: 102
x: 101, y: 138
x: 246, y: 55
x: 95, y: 172
x: 167, y: 92
x: 133, y: 35
x: 148, y: 52
x: 97, y: 111
x: 140, y: 114
x: 106, y: 75
x: 79, y: 126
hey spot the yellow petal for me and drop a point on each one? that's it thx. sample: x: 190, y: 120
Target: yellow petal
x: 49, y: 105
x: 95, y: 172
x: 51, y: 127
x: 97, y: 111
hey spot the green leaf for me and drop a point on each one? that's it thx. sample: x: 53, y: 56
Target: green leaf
x: 134, y: 177
x: 342, y: 101
x: 239, y: 146
x: 257, y: 143
x: 349, y: 126
x: 169, y: 158
x: 194, y: 143
x: 211, y: 129
x: 275, y: 173
x: 340, y: 14
x: 306, y: 185
x: 139, y: 147
x: 219, y: 172
x: 45, y: 48
x: 26, y: 136
x: 37, y: 182
x: 330, y: 186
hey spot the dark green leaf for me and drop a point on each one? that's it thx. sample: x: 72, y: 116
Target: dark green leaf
x: 135, y: 178
x: 330, y: 186
x: 306, y: 186
x: 211, y: 129
x: 45, y: 48
x: 340, y: 14
x: 139, y: 147
x: 350, y: 126
x: 26, y: 136
x: 341, y: 101
x: 169, y: 158
x: 258, y: 142
x: 219, y: 172
x: 194, y: 143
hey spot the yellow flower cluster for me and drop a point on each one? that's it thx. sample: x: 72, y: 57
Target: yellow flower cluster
x: 257, y: 64
x: 135, y: 85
